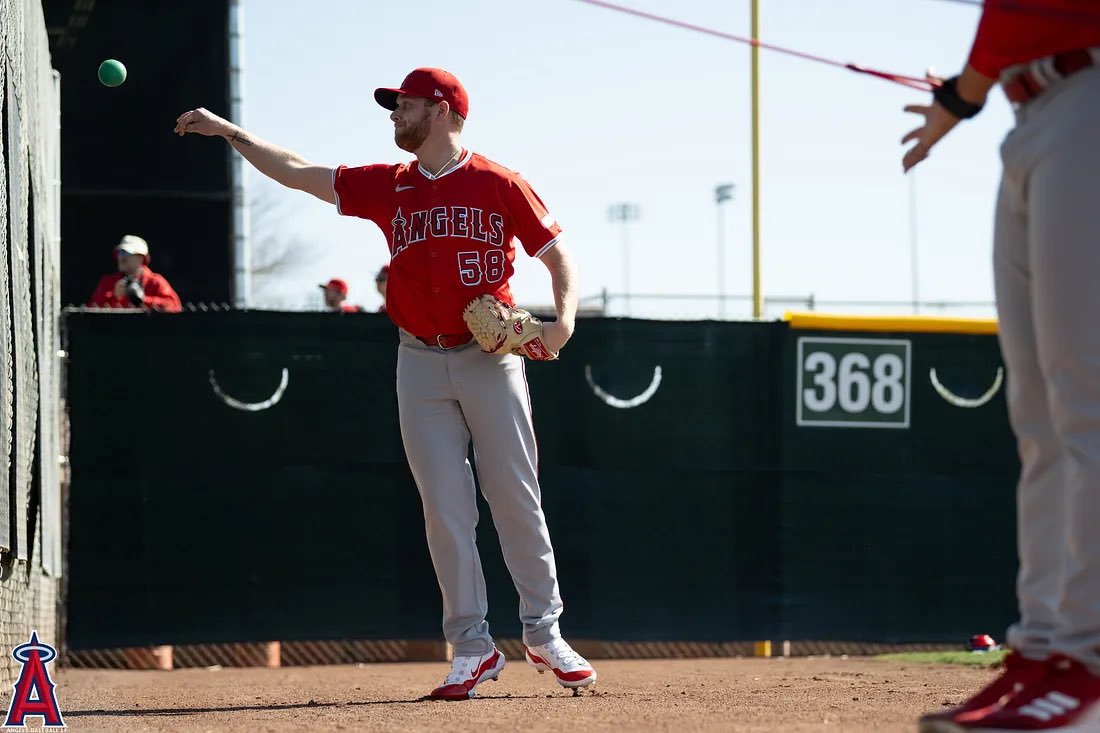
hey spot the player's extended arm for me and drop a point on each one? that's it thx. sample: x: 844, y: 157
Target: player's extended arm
x: 278, y: 164
x: 563, y: 275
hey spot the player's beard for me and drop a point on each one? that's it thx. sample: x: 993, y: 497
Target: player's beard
x: 411, y: 136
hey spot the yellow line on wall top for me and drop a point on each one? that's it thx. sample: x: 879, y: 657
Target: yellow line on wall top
x: 911, y: 324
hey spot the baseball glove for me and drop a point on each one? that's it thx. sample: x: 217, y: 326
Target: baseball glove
x: 502, y: 329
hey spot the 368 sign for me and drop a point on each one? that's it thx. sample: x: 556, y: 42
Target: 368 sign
x: 853, y: 383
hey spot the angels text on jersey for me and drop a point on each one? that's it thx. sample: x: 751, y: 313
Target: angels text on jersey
x: 442, y: 222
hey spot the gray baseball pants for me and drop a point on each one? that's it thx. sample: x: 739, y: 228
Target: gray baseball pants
x: 445, y: 399
x: 1046, y: 258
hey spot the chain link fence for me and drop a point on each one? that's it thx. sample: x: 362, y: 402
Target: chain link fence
x: 30, y: 406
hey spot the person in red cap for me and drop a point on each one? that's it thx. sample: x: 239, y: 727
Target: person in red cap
x: 451, y: 218
x: 336, y: 293
x: 1045, y: 54
x: 134, y: 285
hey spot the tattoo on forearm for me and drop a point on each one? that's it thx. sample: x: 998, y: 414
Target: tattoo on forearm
x: 242, y: 139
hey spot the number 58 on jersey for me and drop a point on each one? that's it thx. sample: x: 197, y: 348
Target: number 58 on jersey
x: 852, y: 383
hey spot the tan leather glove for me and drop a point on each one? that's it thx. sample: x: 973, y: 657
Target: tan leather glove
x: 502, y: 329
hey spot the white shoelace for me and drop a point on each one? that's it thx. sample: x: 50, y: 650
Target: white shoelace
x: 564, y: 653
x: 461, y: 669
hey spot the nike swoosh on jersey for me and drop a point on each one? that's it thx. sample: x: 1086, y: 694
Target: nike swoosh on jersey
x: 399, y: 189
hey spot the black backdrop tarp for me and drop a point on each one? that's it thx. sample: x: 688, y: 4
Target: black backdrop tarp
x: 704, y: 513
x: 122, y: 169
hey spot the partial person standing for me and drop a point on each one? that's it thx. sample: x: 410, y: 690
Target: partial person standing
x: 1046, y: 264
x: 380, y: 281
x: 451, y: 218
x: 335, y: 293
x: 134, y: 285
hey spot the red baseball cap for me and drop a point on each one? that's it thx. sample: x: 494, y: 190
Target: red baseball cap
x: 436, y: 85
x: 336, y: 284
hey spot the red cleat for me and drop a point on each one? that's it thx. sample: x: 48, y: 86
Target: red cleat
x: 1019, y: 672
x: 571, y: 669
x: 1066, y: 699
x: 467, y: 673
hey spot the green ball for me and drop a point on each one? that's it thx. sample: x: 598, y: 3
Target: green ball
x: 112, y: 73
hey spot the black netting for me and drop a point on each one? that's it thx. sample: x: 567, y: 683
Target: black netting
x: 30, y: 493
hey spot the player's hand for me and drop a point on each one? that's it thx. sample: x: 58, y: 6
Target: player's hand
x: 555, y: 335
x: 120, y: 289
x: 937, y: 123
x: 203, y: 122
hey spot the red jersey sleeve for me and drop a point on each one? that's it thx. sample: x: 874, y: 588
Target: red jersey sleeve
x: 362, y: 191
x: 533, y: 224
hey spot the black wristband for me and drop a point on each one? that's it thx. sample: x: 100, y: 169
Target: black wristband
x: 948, y: 96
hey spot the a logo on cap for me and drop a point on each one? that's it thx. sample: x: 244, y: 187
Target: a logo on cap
x: 438, y: 93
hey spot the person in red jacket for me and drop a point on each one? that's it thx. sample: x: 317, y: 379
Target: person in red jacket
x: 1046, y: 264
x: 336, y: 292
x: 134, y: 285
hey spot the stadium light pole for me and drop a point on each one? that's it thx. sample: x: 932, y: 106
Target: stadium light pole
x: 624, y: 213
x: 722, y: 193
x: 757, y: 300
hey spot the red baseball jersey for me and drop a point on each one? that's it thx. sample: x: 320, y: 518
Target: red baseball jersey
x: 451, y: 238
x: 1013, y: 32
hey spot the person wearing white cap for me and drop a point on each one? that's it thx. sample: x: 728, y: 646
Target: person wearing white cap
x: 134, y: 285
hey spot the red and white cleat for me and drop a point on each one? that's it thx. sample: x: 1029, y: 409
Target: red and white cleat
x: 571, y: 669
x: 467, y: 673
x: 1066, y: 699
x: 1019, y: 673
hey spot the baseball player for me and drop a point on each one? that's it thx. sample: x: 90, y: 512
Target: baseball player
x: 335, y: 293
x: 380, y: 281
x: 1046, y: 264
x: 451, y: 218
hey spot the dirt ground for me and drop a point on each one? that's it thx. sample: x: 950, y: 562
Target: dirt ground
x: 796, y: 695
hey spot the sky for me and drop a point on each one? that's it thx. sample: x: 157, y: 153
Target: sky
x: 596, y: 108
